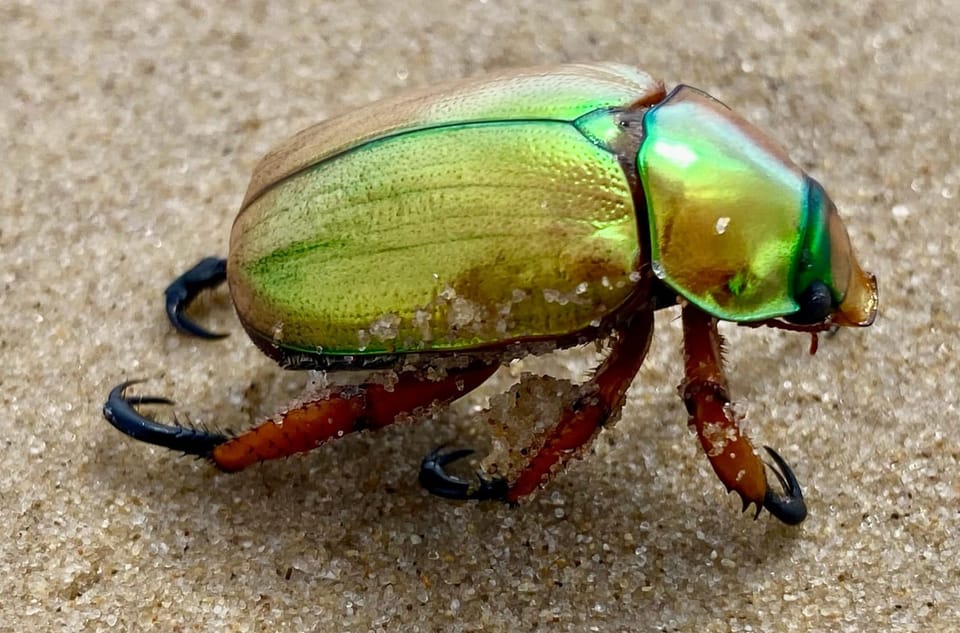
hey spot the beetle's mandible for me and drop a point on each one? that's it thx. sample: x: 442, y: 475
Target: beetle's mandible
x: 434, y: 236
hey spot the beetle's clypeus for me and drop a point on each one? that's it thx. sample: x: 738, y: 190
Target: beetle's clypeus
x: 437, y: 235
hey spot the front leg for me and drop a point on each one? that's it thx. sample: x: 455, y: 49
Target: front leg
x: 733, y: 458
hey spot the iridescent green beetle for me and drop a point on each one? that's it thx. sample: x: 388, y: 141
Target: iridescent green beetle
x: 429, y: 238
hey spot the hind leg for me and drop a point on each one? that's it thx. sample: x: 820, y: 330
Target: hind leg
x: 340, y: 410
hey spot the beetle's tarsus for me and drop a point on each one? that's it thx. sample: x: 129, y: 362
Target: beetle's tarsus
x: 789, y: 506
x: 436, y: 481
x: 120, y: 411
x: 208, y: 273
x: 145, y: 399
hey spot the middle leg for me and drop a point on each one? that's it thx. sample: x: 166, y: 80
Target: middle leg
x: 601, y: 399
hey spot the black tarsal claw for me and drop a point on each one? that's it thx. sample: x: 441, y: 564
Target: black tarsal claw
x: 436, y: 480
x: 788, y: 506
x: 208, y: 273
x: 121, y: 412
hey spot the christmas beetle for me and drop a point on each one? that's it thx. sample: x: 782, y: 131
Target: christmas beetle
x: 427, y: 239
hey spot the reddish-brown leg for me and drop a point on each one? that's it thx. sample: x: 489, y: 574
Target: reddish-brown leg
x: 733, y: 458
x: 605, y: 395
x: 578, y: 428
x: 340, y: 411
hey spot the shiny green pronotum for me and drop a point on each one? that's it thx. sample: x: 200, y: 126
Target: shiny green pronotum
x: 429, y: 238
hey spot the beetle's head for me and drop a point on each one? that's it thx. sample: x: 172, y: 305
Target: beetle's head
x: 829, y: 283
x: 738, y: 229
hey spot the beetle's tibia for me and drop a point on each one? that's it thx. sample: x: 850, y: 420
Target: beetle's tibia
x: 341, y: 411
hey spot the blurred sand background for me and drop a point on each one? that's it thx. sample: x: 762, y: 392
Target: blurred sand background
x: 127, y: 135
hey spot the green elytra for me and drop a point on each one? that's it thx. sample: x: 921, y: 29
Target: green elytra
x: 503, y: 210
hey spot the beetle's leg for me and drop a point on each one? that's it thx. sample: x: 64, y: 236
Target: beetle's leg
x: 578, y: 427
x: 343, y: 410
x: 730, y: 453
x: 209, y: 272
x: 436, y: 481
x: 120, y: 411
x: 603, y: 398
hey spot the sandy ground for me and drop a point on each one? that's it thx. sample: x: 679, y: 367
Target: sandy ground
x: 127, y: 135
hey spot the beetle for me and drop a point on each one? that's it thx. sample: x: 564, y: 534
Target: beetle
x: 429, y: 238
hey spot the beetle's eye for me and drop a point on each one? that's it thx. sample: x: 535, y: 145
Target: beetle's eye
x: 816, y: 304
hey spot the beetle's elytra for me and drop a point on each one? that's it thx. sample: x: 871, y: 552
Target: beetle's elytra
x: 434, y: 236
